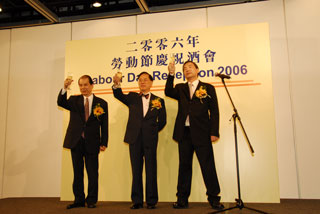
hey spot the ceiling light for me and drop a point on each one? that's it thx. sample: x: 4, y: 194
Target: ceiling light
x: 97, y: 4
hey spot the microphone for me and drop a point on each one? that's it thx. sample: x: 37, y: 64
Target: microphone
x: 222, y: 76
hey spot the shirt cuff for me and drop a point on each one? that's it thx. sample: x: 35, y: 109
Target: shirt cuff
x: 114, y: 86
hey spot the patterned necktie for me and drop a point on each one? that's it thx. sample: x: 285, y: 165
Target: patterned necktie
x: 86, y: 109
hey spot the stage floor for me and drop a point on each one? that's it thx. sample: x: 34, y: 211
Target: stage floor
x: 55, y: 206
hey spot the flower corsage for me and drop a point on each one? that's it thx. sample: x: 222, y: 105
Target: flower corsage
x: 98, y: 110
x: 201, y: 93
x: 156, y: 103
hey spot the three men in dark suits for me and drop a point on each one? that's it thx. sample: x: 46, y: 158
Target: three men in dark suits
x: 86, y: 136
x: 147, y: 116
x: 196, y: 126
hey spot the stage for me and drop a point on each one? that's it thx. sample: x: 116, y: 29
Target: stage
x: 55, y: 206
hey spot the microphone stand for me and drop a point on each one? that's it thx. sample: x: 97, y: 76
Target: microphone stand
x: 235, y: 116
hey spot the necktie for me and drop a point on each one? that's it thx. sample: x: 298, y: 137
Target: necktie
x: 190, y: 90
x: 187, y: 123
x: 86, y: 112
x: 86, y: 108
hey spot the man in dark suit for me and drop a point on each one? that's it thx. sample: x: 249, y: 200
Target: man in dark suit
x: 87, y: 134
x: 196, y: 126
x: 147, y: 116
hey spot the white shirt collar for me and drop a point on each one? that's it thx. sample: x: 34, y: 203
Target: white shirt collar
x: 194, y: 83
x: 90, y: 97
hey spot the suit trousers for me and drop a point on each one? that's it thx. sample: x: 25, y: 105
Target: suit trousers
x: 79, y: 157
x: 138, y: 151
x: 207, y: 165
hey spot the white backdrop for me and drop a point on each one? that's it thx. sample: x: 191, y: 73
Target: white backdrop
x: 31, y: 139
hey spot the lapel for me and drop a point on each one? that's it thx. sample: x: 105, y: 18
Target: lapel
x: 81, y: 107
x: 198, y: 86
x: 186, y: 91
x: 94, y: 103
x: 152, y: 97
x: 140, y: 105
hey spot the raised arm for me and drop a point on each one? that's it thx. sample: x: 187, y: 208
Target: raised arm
x: 62, y: 96
x: 169, y: 90
x: 117, y: 91
x: 62, y: 100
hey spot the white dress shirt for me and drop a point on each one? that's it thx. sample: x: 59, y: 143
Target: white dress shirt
x: 193, y: 86
x: 145, y: 103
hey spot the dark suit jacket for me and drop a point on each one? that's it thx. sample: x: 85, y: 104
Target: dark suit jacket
x: 95, y: 129
x: 203, y: 114
x: 150, y: 125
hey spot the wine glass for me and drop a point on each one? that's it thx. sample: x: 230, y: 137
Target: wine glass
x: 69, y: 78
x: 172, y: 58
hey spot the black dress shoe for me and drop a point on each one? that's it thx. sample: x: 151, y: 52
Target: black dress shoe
x: 151, y: 206
x: 75, y: 205
x: 178, y: 205
x: 92, y: 206
x: 136, y: 206
x: 216, y: 205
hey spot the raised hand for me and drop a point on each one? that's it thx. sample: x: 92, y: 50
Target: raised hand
x: 67, y: 83
x: 117, y: 78
x: 171, y: 68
